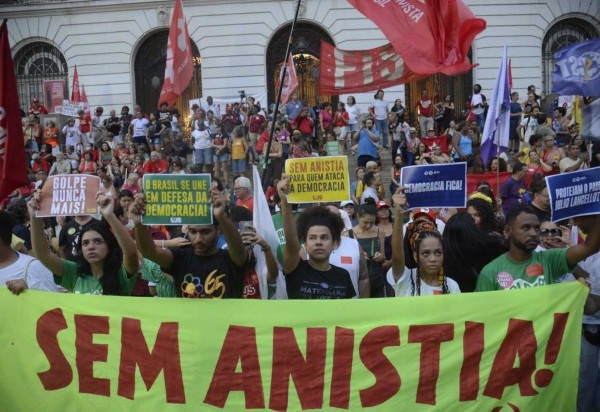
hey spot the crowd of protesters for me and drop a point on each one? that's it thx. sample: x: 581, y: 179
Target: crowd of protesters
x: 370, y: 246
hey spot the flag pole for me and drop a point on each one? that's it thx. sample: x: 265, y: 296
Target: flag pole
x: 498, y: 131
x: 278, y: 101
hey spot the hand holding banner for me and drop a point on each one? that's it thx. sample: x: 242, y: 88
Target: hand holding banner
x: 574, y: 194
x: 443, y: 185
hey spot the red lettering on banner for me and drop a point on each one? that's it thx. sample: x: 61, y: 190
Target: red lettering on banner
x: 387, y: 379
x: 239, y: 347
x: 341, y: 374
x: 519, y: 342
x: 164, y: 357
x: 308, y: 374
x: 60, y: 374
x: 87, y: 352
x: 543, y: 377
x: 430, y: 337
x: 473, y: 346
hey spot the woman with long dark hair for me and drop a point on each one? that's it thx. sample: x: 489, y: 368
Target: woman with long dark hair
x: 372, y: 241
x: 425, y: 275
x: 108, y: 262
x: 467, y: 249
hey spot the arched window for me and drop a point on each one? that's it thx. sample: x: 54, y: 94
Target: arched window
x: 306, y: 50
x: 562, y: 34
x: 149, y: 68
x: 35, y: 63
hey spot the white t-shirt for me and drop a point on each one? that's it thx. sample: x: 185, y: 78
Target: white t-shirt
x: 369, y: 192
x: 475, y: 100
x: 140, y: 126
x: 529, y: 124
x: 568, y: 162
x: 38, y: 277
x: 353, y: 113
x: 380, y: 109
x: 347, y: 256
x: 404, y: 285
x: 72, y: 135
x: 201, y: 139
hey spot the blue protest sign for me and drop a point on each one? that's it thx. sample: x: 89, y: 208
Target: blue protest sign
x: 442, y: 185
x: 574, y: 194
x: 578, y: 69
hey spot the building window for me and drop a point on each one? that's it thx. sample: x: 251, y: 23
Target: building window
x: 35, y: 63
x: 562, y: 34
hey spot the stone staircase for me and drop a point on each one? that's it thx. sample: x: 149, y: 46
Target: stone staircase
x: 386, y: 164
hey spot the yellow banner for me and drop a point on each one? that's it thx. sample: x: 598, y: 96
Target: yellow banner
x: 494, y: 351
x: 318, y: 179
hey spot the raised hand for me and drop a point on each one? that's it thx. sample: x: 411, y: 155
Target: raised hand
x: 137, y: 208
x: 399, y: 198
x: 105, y: 203
x: 283, y: 187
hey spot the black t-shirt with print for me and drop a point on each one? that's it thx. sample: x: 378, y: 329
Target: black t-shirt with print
x: 306, y: 282
x: 214, y: 276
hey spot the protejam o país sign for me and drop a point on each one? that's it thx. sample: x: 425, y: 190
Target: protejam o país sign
x: 177, y: 199
x: 441, y: 185
x: 318, y: 179
x: 431, y: 353
x: 574, y: 194
x: 69, y: 195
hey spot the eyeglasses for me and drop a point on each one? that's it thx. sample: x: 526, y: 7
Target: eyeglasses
x: 551, y: 232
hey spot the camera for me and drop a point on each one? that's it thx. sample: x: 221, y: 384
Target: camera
x: 242, y: 94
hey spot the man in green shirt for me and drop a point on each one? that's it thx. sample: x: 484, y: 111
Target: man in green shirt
x: 522, y: 266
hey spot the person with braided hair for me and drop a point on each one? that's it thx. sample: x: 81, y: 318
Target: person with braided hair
x: 425, y: 244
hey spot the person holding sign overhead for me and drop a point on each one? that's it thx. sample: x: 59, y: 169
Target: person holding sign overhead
x: 108, y: 262
x: 320, y: 231
x: 428, y: 252
x: 202, y: 270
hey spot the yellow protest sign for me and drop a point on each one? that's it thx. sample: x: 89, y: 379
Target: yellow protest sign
x: 436, y: 353
x: 318, y: 179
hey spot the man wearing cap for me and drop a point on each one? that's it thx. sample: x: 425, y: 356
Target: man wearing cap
x: 349, y: 207
x: 242, y: 188
x: 37, y: 108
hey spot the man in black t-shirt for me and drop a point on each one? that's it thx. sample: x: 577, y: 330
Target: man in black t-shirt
x: 201, y: 270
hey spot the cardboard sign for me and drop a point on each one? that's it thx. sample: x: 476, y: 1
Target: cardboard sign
x: 318, y: 179
x: 574, y: 194
x: 69, y: 195
x: 443, y: 185
x: 177, y: 199
x: 70, y: 108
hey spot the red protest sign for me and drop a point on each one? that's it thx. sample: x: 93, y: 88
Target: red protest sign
x: 69, y: 195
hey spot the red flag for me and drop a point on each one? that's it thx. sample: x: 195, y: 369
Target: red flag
x: 346, y: 71
x: 179, y: 69
x: 474, y: 179
x: 290, y: 83
x: 86, y: 106
x: 75, y: 96
x: 432, y: 36
x: 441, y: 141
x: 13, y: 163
